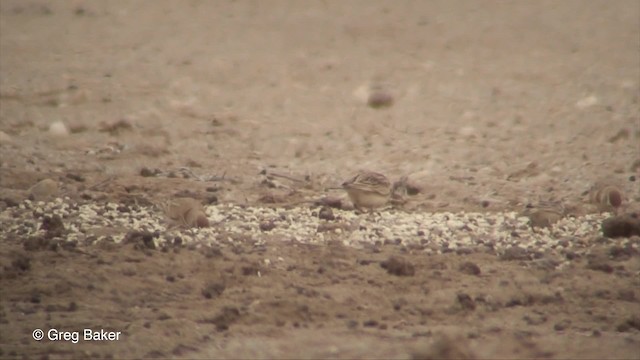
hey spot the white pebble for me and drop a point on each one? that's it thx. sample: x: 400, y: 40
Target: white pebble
x: 5, y: 138
x: 587, y: 102
x: 58, y: 128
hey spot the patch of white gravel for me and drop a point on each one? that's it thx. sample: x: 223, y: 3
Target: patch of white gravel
x: 431, y: 232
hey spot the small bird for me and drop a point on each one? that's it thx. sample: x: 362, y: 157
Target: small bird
x: 545, y: 213
x: 368, y: 189
x: 184, y: 212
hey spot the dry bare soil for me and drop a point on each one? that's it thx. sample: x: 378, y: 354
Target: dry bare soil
x: 496, y: 105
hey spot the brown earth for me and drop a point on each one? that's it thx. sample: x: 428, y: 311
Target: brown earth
x: 495, y: 105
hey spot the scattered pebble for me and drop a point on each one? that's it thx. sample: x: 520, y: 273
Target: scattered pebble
x: 21, y: 263
x: 398, y: 266
x: 470, y: 268
x: 625, y: 225
x: 116, y: 128
x: 227, y: 316
x: 622, y: 134
x: 467, y: 131
x: 53, y: 226
x: 140, y: 239
x: 5, y: 139
x: 75, y: 177
x: 380, y: 99
x: 58, y: 128
x: 267, y: 226
x: 330, y: 201
x: 515, y: 253
x: 326, y: 213
x: 44, y: 190
x: 587, y: 102
x: 212, y: 290
x: 562, y: 325
x: 465, y: 301
x: 146, y: 172
x: 432, y: 232
x: 444, y: 348
x: 632, y: 322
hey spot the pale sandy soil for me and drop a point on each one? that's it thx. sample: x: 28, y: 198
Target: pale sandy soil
x: 496, y: 105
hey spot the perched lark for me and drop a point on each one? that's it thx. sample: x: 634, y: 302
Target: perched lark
x: 544, y: 213
x: 368, y: 189
x: 184, y: 212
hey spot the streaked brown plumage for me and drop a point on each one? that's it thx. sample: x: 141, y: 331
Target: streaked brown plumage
x: 368, y: 189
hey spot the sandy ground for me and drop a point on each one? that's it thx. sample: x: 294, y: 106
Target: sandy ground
x: 496, y: 105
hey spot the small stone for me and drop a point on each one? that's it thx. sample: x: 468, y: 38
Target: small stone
x: 21, y: 263
x: 627, y: 295
x: 73, y: 306
x: 5, y: 139
x: 380, y: 99
x: 470, y: 268
x: 599, y: 264
x: 44, y: 190
x: 398, y: 266
x: 587, y: 102
x: 444, y: 348
x: 116, y: 128
x: 622, y: 134
x: 333, y: 202
x: 141, y: 240
x: 621, y: 226
x: 326, y: 213
x: 267, y: 226
x: 515, y: 253
x: 75, y: 177
x: 632, y: 322
x: 370, y: 323
x: 465, y: 301
x: 58, y: 128
x: 619, y: 253
x: 146, y: 172
x: 35, y: 243
x: 213, y: 290
x: 467, y: 131
x: 562, y: 325
x: 53, y: 226
x: 225, y: 318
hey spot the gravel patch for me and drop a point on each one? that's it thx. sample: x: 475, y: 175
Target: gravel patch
x: 504, y: 233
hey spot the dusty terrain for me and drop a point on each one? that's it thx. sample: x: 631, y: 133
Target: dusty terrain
x: 496, y: 106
